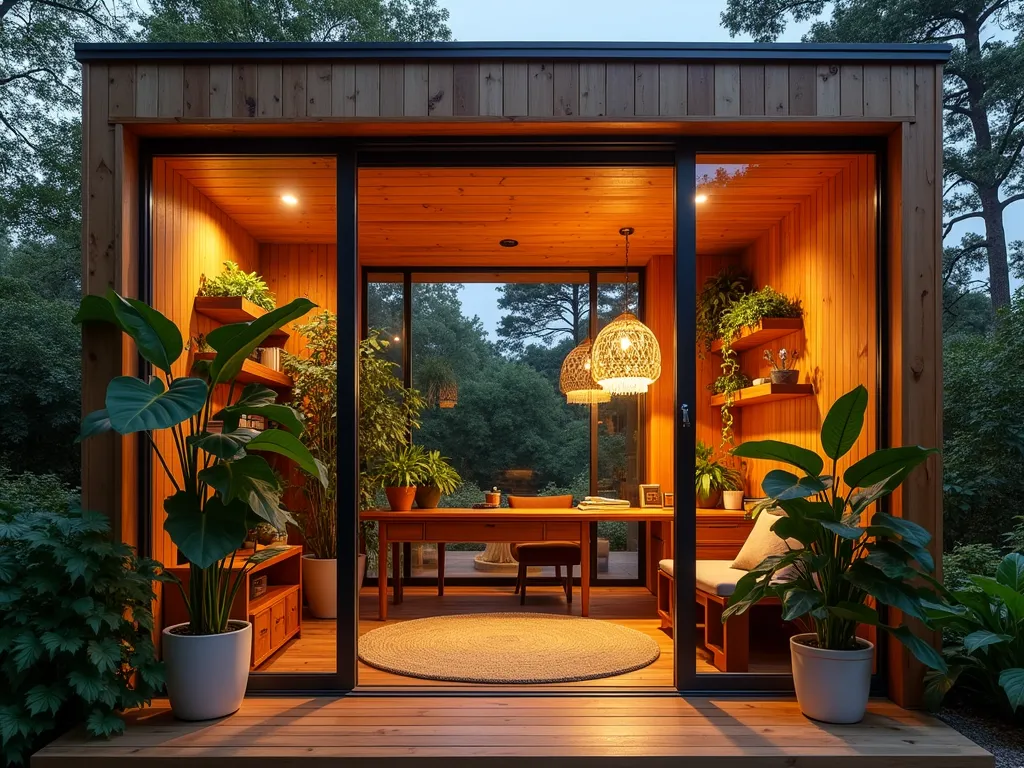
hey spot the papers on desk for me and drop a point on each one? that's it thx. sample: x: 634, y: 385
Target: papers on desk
x: 601, y: 502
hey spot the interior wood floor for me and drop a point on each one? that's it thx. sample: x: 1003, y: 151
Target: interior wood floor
x: 633, y: 607
x: 503, y: 732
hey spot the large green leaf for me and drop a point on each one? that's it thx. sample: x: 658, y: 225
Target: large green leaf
x: 882, y: 523
x: 224, y: 445
x: 858, y: 612
x: 841, y: 529
x: 252, y: 481
x: 781, y: 485
x: 1013, y: 599
x: 775, y: 450
x: 1011, y: 571
x: 890, y: 559
x: 96, y: 423
x: 886, y: 590
x: 96, y: 309
x: 288, y: 445
x: 801, y: 529
x: 891, y: 464
x: 135, y: 406
x: 207, y: 534
x: 983, y: 638
x: 799, y: 602
x: 157, y: 338
x: 285, y: 415
x: 1012, y: 682
x: 236, y: 342
x: 843, y: 423
x: 863, y: 498
x: 922, y: 651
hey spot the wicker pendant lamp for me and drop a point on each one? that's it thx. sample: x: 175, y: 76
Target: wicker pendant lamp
x: 626, y: 358
x: 576, y: 380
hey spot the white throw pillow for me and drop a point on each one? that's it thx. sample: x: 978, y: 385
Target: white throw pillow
x: 762, y: 542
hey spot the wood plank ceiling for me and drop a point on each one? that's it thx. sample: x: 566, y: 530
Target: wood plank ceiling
x: 560, y: 216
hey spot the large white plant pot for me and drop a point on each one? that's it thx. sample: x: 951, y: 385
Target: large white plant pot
x: 832, y: 686
x: 207, y: 674
x: 320, y: 585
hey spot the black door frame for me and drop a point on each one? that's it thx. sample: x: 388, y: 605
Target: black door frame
x: 353, y: 154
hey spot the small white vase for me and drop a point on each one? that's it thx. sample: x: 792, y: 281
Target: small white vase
x: 732, y: 499
x: 320, y: 586
x: 207, y: 674
x: 832, y: 686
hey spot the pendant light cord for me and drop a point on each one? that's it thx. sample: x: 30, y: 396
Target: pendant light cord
x: 626, y: 275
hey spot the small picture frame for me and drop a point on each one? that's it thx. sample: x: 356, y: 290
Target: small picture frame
x: 650, y: 495
x: 670, y: 500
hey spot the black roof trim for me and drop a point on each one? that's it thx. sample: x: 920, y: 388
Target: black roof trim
x: 488, y: 50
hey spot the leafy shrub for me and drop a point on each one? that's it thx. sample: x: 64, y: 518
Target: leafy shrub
x: 988, y: 656
x: 748, y: 310
x: 234, y: 281
x: 75, y: 626
x: 617, y: 533
x: 718, y: 293
x: 966, y: 560
x: 45, y: 491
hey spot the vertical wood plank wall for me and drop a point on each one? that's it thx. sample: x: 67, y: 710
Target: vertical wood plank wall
x: 301, y: 271
x: 822, y: 253
x: 191, y: 236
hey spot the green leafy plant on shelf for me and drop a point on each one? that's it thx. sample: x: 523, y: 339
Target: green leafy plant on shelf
x: 745, y: 312
x: 711, y: 476
x: 223, y: 485
x: 75, y: 627
x: 985, y: 619
x: 235, y: 281
x: 834, y: 565
x: 315, y: 395
x: 718, y: 293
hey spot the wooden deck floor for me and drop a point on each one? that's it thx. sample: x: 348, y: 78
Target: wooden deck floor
x: 548, y: 731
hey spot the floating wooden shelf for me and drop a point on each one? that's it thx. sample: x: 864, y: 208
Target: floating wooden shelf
x: 235, y: 309
x: 253, y: 372
x: 764, y: 393
x: 769, y: 329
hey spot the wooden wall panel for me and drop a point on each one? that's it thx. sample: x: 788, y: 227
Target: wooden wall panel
x: 823, y: 253
x: 301, y: 271
x: 190, y: 237
x: 659, y: 315
x: 643, y: 90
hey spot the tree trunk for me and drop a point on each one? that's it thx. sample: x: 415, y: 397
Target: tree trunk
x: 995, y: 236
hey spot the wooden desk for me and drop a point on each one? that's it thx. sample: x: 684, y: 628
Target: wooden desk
x: 495, y: 525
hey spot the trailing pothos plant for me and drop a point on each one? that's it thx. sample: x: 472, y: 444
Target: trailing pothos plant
x: 837, y: 565
x: 223, y: 486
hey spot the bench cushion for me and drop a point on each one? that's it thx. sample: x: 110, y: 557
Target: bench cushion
x: 668, y: 566
x: 717, y: 577
x: 547, y: 553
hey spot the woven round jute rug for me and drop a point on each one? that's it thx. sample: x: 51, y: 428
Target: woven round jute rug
x: 516, y: 648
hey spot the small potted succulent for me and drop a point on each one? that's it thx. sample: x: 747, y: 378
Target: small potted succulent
x: 400, y: 473
x: 712, y: 477
x: 439, y: 479
x: 782, y: 372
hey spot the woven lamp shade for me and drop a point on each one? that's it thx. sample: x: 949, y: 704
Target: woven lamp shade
x: 448, y: 395
x: 626, y: 358
x: 576, y: 381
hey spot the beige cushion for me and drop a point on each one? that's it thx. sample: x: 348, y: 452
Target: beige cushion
x: 761, y: 543
x: 717, y: 577
x: 668, y: 566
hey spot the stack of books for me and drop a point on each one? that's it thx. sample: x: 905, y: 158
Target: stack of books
x: 602, y: 502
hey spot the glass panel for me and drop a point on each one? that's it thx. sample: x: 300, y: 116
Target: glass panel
x: 802, y: 226
x: 618, y: 438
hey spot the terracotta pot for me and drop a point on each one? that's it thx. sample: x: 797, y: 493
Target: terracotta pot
x: 400, y: 498
x: 785, y: 377
x: 831, y: 686
x: 710, y: 501
x: 428, y: 496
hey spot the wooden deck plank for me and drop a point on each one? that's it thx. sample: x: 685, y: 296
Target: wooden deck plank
x: 670, y: 730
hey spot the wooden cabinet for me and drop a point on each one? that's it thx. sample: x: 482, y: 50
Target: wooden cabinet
x: 276, y: 615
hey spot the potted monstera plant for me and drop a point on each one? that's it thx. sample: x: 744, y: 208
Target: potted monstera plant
x: 223, y: 485
x: 835, y: 565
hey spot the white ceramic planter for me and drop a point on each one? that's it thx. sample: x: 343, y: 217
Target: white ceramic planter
x: 832, y: 686
x: 207, y: 674
x: 732, y: 499
x: 320, y: 585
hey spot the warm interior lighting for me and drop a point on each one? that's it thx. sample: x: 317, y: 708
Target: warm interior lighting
x: 289, y: 199
x: 700, y: 198
x: 626, y: 356
x: 576, y: 381
x: 397, y: 339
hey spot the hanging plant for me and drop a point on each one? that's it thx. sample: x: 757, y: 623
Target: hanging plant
x: 719, y: 293
x: 438, y: 380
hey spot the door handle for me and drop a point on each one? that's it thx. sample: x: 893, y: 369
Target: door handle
x: 685, y: 408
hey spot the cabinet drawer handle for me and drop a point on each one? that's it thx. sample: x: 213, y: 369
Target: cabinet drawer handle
x: 490, y: 525
x: 263, y: 631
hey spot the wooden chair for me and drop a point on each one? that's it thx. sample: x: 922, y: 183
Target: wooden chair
x: 545, y: 553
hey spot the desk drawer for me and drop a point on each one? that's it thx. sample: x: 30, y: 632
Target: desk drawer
x: 485, y: 532
x: 562, y: 530
x: 404, y: 531
x: 721, y: 540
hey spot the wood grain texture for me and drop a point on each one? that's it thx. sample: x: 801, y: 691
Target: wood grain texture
x: 727, y: 89
x: 660, y: 412
x: 851, y: 90
x: 392, y: 90
x: 776, y: 89
x: 269, y: 90
x: 877, y: 90
x: 121, y: 90
x: 220, y: 90
x: 751, y: 89
x: 243, y: 90
x: 672, y: 89
x: 802, y: 89
x: 619, y: 89
x: 566, y: 89
x: 828, y: 84
x: 700, y: 89
x: 147, y: 86
x: 541, y: 99
x: 440, y: 89
x: 492, y: 88
x: 170, y: 90
x: 646, y: 90
x: 293, y: 96
x: 343, y: 90
x: 416, y: 87
x: 197, y: 91
x: 466, y: 85
x: 901, y: 81
x: 516, y: 85
x: 367, y: 89
x: 319, y: 89
x: 592, y: 89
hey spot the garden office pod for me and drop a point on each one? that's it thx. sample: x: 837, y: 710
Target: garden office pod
x: 519, y: 248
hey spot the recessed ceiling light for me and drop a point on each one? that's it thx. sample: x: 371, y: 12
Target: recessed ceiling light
x: 508, y: 242
x: 289, y: 199
x: 700, y: 198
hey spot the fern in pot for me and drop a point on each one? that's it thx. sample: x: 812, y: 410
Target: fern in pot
x: 712, y: 478
x: 833, y: 566
x: 400, y: 472
x: 439, y: 479
x: 315, y: 395
x: 223, y: 485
